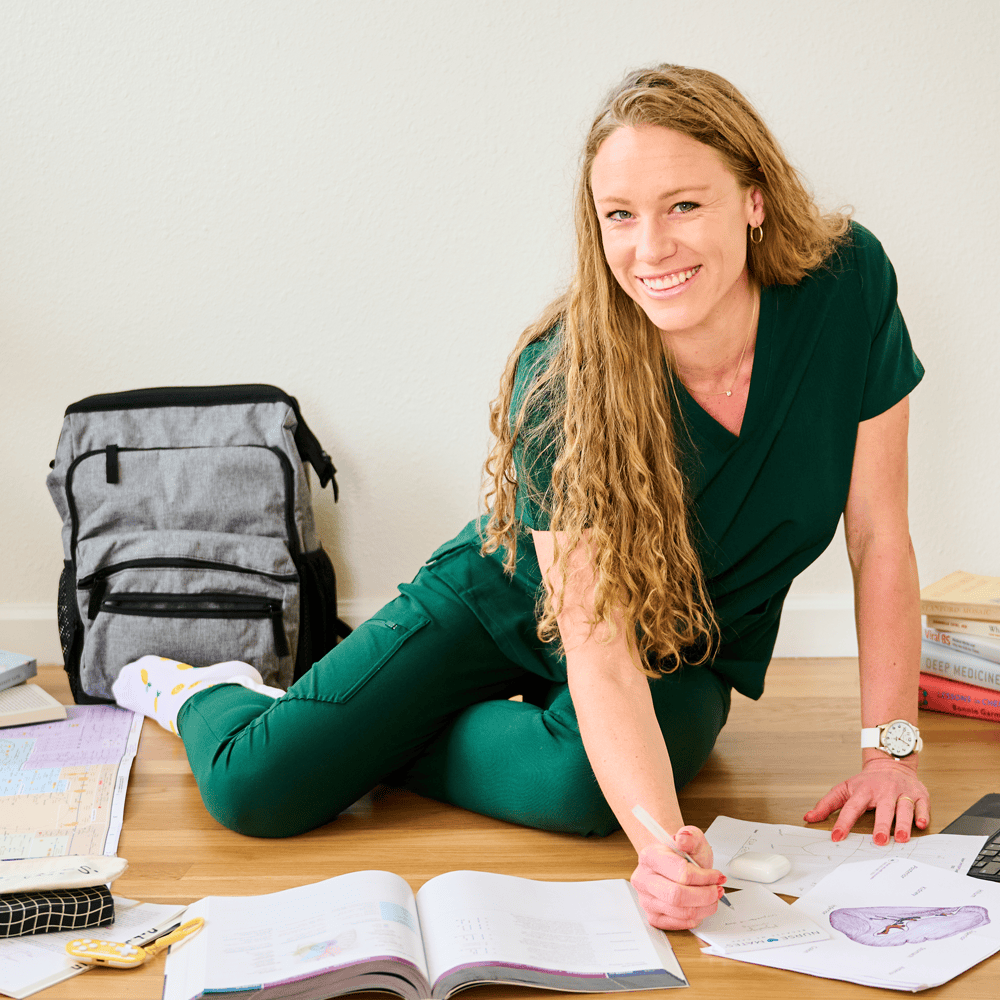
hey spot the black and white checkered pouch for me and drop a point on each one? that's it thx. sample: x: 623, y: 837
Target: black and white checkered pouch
x: 55, y: 910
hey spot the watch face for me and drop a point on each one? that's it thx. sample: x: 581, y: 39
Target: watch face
x: 899, y: 738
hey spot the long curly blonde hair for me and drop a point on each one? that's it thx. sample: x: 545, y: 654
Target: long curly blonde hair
x: 600, y: 404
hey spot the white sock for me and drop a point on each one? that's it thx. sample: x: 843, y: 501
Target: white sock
x: 157, y: 687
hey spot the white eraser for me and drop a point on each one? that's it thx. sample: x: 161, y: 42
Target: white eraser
x: 756, y: 867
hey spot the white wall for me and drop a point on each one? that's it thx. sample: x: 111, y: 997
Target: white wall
x: 365, y: 203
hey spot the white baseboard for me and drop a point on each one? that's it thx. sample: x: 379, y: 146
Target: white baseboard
x: 817, y: 625
x: 810, y: 626
x: 31, y: 629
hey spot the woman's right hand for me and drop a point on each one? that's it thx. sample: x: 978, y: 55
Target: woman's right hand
x: 675, y: 894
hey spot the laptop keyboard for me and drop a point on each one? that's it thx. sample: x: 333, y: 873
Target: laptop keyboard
x: 987, y: 865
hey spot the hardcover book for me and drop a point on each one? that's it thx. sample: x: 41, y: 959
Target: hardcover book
x: 15, y: 668
x: 939, y: 694
x: 959, y: 666
x: 974, y: 645
x: 28, y: 703
x: 963, y: 595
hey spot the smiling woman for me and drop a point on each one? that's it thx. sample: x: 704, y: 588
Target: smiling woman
x: 676, y: 438
x: 674, y: 231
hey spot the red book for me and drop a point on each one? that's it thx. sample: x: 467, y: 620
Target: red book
x: 942, y: 694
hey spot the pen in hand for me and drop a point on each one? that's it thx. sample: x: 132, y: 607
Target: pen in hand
x: 664, y: 838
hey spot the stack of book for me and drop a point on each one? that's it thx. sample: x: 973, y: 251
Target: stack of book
x: 21, y: 703
x: 960, y: 651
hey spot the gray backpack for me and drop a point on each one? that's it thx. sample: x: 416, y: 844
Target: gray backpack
x: 188, y: 533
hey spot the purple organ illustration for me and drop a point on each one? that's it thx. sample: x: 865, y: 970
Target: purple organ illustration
x: 888, y: 926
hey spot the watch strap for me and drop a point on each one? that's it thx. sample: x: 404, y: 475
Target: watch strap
x: 871, y: 737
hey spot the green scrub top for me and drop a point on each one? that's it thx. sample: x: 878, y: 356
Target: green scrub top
x: 831, y: 351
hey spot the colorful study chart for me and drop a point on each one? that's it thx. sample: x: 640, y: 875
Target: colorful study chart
x: 62, y: 784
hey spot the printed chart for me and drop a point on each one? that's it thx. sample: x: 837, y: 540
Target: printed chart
x: 62, y: 784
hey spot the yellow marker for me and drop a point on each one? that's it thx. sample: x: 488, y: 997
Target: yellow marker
x: 128, y: 956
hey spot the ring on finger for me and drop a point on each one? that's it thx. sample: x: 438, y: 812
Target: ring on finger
x: 908, y: 799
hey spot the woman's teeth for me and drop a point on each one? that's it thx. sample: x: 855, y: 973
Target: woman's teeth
x: 670, y: 280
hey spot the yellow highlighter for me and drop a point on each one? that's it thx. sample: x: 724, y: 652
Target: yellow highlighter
x: 115, y: 955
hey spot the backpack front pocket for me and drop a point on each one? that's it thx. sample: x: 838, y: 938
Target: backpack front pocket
x: 198, y: 598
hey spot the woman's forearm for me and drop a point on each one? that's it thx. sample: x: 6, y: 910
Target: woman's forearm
x: 611, y: 697
x: 887, y: 610
x: 622, y: 738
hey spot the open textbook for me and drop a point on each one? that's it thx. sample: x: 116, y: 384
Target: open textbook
x: 367, y: 931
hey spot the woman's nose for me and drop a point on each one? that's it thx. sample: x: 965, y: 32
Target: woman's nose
x: 655, y: 242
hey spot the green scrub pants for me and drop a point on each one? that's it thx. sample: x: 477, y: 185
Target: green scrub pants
x: 418, y: 697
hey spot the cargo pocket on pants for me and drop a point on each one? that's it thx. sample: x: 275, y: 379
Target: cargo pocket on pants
x: 363, y: 653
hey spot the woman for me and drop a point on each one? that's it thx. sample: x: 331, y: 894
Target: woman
x: 677, y: 438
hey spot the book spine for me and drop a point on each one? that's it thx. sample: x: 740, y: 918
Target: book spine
x: 938, y: 694
x: 965, y: 626
x: 955, y: 609
x: 974, y: 645
x: 958, y: 666
x: 17, y: 675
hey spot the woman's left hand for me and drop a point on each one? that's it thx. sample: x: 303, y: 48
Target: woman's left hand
x: 890, y: 787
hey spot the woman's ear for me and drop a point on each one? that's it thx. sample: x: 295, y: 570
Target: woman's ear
x: 757, y: 213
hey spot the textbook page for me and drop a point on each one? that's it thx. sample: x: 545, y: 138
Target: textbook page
x: 253, y: 941
x: 581, y: 928
x: 37, y: 961
x: 814, y: 855
x: 895, y: 924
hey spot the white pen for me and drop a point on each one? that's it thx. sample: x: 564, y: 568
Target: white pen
x: 664, y: 838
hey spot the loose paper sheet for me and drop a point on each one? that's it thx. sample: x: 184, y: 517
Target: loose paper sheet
x: 37, y: 961
x: 756, y: 921
x: 895, y: 923
x: 814, y: 855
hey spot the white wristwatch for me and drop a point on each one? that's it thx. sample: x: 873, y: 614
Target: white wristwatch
x: 898, y: 738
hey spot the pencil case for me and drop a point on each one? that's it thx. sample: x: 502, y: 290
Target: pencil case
x: 55, y: 910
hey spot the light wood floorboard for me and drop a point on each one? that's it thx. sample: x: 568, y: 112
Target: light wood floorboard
x: 773, y: 761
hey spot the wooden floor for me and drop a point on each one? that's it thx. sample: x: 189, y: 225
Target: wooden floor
x: 773, y: 761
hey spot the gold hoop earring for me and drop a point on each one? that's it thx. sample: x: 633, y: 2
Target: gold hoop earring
x: 759, y: 230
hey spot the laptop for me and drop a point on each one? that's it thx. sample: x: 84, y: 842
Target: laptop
x: 982, y: 819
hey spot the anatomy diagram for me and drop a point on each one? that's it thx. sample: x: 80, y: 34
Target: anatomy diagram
x: 889, y: 926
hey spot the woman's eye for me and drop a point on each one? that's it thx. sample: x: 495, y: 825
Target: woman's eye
x: 685, y: 206
x: 619, y: 215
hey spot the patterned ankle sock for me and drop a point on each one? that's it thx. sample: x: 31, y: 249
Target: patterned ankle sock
x: 157, y: 687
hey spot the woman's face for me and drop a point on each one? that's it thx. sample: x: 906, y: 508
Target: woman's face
x: 674, y: 226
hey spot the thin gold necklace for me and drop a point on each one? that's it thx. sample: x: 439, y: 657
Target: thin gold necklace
x: 739, y: 367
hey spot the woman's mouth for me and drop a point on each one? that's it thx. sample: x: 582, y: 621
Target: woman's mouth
x: 668, y: 281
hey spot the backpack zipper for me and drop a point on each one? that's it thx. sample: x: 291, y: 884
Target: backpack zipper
x: 226, y: 606
x: 97, y: 582
x: 291, y: 530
